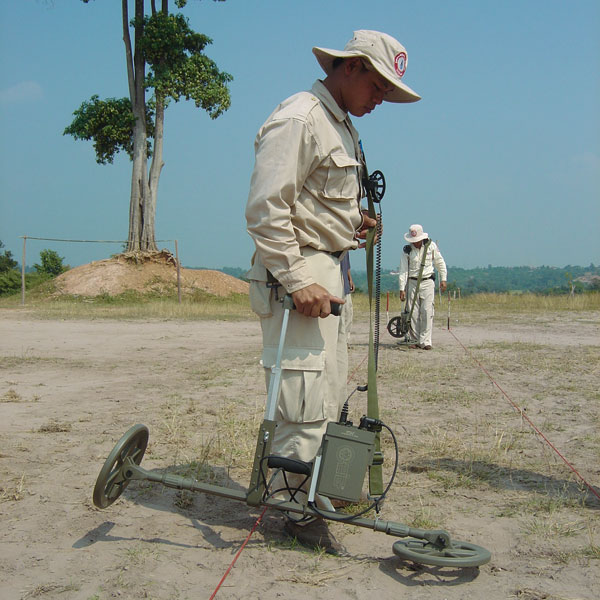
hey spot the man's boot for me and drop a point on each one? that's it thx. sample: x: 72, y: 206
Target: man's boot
x: 315, y: 535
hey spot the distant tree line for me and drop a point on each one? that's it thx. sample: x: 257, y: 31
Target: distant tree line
x: 539, y: 280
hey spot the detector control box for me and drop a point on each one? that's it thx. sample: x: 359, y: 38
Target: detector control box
x: 346, y: 453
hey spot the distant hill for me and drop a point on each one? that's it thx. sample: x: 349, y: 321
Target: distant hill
x: 550, y: 280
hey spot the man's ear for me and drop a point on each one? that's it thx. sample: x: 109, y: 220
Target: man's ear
x: 352, y: 65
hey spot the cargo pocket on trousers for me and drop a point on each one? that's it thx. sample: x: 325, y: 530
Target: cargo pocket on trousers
x: 260, y: 298
x: 303, y: 384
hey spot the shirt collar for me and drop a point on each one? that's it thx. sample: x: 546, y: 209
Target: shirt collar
x: 324, y: 95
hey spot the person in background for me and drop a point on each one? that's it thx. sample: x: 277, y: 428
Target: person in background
x: 421, y: 250
x: 304, y: 214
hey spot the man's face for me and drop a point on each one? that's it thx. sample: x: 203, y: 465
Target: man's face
x: 364, y: 88
x: 418, y: 244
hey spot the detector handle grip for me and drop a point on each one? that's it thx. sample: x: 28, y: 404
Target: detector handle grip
x: 336, y: 307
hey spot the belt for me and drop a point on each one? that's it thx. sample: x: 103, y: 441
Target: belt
x: 423, y: 279
x: 337, y: 253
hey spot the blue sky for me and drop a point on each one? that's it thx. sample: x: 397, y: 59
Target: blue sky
x: 500, y: 161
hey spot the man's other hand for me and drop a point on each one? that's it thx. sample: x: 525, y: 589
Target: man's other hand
x: 367, y: 223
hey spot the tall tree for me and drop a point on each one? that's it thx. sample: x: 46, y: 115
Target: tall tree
x: 177, y: 68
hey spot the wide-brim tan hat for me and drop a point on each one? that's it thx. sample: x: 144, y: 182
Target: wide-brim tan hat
x: 387, y: 55
x: 415, y: 234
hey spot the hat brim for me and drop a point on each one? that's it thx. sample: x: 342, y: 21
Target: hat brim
x: 401, y: 92
x: 412, y: 240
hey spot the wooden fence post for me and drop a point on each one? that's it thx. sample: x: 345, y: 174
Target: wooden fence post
x: 178, y: 273
x: 23, y: 272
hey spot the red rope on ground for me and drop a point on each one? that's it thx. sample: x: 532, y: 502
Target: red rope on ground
x: 238, y: 553
x: 356, y: 369
x: 524, y: 416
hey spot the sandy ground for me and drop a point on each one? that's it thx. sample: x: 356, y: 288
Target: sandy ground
x: 468, y: 462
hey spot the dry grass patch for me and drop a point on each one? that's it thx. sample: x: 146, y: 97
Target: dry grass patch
x: 13, y: 492
x: 55, y: 427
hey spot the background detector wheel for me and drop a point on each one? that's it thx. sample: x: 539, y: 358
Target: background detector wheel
x: 458, y: 554
x: 111, y: 482
x: 394, y: 327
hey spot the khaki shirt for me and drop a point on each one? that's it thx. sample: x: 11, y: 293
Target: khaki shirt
x: 410, y: 264
x: 305, y: 188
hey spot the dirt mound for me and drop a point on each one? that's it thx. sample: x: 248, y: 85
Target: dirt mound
x: 143, y: 272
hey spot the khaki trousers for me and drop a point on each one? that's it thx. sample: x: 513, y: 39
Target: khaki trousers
x: 314, y: 367
x: 421, y: 323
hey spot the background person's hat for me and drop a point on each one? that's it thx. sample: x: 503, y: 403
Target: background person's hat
x: 415, y: 234
x: 387, y: 55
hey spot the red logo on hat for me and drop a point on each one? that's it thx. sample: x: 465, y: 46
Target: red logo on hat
x: 400, y: 63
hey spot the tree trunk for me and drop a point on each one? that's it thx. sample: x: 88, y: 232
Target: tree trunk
x: 142, y: 202
x: 149, y: 211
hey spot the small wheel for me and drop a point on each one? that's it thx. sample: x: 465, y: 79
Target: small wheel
x: 377, y: 178
x: 458, y: 554
x: 396, y: 327
x: 111, y: 482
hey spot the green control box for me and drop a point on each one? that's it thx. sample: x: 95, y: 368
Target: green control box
x: 346, y: 452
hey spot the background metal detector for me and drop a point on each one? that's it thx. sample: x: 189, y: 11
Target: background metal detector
x: 337, y: 472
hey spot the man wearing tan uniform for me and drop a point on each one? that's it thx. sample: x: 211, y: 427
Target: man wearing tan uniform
x: 303, y: 214
x: 421, y: 250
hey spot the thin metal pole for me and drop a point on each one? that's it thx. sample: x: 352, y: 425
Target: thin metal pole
x: 387, y: 308
x: 23, y: 272
x: 178, y: 272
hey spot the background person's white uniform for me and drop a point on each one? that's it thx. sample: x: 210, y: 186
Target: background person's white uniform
x: 410, y: 264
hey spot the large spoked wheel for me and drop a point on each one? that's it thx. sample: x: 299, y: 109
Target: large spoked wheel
x: 378, y: 181
x: 111, y: 481
x: 458, y: 554
x: 397, y: 327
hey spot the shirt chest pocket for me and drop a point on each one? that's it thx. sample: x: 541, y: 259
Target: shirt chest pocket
x: 341, y: 178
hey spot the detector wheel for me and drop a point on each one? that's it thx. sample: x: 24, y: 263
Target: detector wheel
x: 112, y: 480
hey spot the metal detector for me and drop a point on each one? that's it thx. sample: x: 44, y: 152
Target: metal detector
x: 338, y: 471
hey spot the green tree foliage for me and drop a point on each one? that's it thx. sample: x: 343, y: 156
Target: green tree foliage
x: 179, y: 67
x: 10, y: 277
x: 7, y: 262
x: 109, y: 123
x: 10, y: 282
x: 52, y: 264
